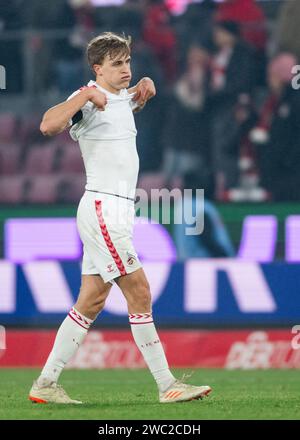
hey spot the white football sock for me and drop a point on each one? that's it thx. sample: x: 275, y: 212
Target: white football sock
x: 68, y: 339
x: 148, y: 342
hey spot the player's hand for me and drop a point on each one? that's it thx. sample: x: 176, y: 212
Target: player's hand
x: 144, y: 90
x: 97, y: 97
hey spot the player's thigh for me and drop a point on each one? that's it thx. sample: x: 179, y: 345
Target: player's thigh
x: 93, y: 290
x: 135, y: 287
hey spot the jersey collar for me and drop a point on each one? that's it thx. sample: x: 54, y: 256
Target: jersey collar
x: 111, y: 95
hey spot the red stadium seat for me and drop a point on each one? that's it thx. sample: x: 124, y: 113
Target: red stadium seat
x: 78, y: 185
x: 30, y: 128
x: 43, y: 189
x: 64, y: 138
x: 40, y: 159
x: 71, y: 160
x: 9, y: 159
x: 70, y: 187
x: 11, y: 189
x: 7, y: 127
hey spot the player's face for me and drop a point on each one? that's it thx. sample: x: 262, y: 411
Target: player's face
x: 115, y: 73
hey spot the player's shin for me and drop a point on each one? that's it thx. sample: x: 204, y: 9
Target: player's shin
x: 69, y: 337
x: 148, y: 342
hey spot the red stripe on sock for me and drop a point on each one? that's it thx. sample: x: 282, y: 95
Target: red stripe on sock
x: 140, y: 315
x: 138, y: 323
x: 77, y: 322
x: 79, y: 317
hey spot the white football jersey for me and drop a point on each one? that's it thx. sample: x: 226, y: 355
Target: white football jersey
x: 107, y: 140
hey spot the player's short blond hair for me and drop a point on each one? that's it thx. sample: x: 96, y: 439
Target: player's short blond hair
x: 107, y: 43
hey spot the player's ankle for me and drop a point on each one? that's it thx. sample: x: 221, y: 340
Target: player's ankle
x: 163, y: 386
x: 44, y: 381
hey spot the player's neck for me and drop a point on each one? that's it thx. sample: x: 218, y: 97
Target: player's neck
x: 107, y: 87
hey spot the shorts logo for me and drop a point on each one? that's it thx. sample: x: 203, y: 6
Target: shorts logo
x: 110, y: 268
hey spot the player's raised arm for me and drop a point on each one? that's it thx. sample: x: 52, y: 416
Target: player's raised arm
x: 57, y: 118
x: 144, y: 90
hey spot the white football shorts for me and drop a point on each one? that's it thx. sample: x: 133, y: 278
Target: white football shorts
x: 105, y: 225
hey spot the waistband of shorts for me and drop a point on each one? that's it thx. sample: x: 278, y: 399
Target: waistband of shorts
x: 111, y: 194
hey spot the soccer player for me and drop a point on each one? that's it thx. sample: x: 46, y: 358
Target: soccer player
x: 100, y: 117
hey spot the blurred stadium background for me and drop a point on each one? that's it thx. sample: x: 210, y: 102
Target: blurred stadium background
x: 225, y: 119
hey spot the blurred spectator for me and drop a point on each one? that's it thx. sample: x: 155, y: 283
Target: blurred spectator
x: 130, y: 18
x: 250, y: 17
x: 230, y: 83
x: 151, y: 120
x: 195, y: 26
x: 186, y: 133
x: 248, y: 176
x: 277, y: 133
x: 68, y: 65
x: 288, y: 28
x: 214, y: 241
x: 55, y: 14
x: 160, y: 36
x: 84, y: 12
x: 51, y: 57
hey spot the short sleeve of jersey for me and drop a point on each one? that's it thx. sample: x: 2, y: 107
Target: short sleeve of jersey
x: 83, y: 114
x: 79, y: 120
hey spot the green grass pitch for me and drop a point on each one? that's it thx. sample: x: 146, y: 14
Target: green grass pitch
x: 132, y: 395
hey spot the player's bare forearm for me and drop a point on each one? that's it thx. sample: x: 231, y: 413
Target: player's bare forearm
x: 144, y: 90
x: 56, y: 119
